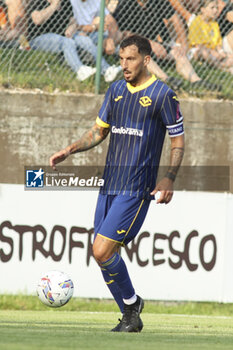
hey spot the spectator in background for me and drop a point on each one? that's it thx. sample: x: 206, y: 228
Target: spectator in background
x: 84, y: 31
x: 153, y: 66
x: 205, y: 39
x: 3, y: 16
x: 147, y: 18
x: 191, y: 5
x: 111, y: 5
x: 225, y: 21
x: 13, y: 21
x: 47, y: 22
x: 16, y: 12
x: 186, y: 9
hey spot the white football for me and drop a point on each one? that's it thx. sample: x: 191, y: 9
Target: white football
x: 55, y: 288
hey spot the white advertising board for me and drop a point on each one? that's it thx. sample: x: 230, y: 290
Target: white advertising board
x: 182, y: 252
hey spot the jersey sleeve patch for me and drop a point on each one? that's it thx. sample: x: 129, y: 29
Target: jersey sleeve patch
x: 176, y: 129
x: 101, y: 123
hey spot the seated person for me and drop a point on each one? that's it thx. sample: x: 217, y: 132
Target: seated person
x: 205, y: 39
x: 16, y: 12
x: 84, y: 31
x: 147, y: 18
x: 13, y: 21
x: 225, y: 21
x: 154, y: 68
x: 47, y: 22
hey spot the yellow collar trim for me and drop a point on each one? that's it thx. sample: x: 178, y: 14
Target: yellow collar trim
x: 134, y: 89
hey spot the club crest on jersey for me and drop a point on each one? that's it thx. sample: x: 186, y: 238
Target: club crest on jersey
x: 145, y: 101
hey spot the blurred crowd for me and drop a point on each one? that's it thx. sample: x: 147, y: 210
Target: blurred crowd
x: 181, y: 31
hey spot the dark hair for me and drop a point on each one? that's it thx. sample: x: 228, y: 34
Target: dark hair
x: 142, y: 44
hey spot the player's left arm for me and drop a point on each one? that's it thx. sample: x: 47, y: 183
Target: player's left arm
x: 165, y: 186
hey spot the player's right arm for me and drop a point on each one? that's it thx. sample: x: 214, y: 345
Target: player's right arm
x: 90, y: 139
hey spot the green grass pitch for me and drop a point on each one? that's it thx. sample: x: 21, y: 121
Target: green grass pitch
x: 61, y: 329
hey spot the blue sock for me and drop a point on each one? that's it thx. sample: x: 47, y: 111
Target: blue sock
x: 117, y: 270
x: 114, y: 289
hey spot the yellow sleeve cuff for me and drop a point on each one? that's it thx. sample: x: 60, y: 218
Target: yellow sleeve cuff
x: 101, y: 123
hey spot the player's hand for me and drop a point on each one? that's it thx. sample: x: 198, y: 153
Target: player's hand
x: 58, y: 157
x: 164, y: 191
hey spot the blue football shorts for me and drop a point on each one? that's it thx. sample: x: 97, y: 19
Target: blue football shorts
x: 119, y: 217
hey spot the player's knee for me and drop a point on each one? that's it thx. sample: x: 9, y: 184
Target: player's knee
x: 100, y: 253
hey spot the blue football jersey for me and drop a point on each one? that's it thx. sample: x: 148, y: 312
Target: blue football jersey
x: 138, y: 118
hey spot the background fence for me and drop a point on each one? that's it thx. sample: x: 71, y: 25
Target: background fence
x: 51, y: 63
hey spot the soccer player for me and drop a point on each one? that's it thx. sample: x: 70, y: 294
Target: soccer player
x: 136, y: 112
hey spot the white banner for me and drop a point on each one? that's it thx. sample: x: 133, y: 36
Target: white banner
x: 183, y: 251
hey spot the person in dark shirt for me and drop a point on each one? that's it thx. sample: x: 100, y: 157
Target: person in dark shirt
x: 47, y: 22
x: 136, y: 112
